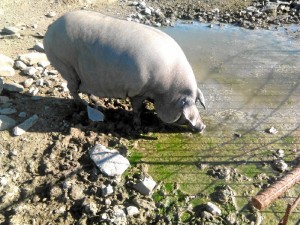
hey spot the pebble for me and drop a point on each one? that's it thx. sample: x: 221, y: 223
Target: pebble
x: 7, y: 111
x: 51, y: 14
x: 280, y: 153
x: 32, y: 58
x: 119, y: 215
x: 145, y: 186
x: 272, y: 130
x: 132, y: 210
x: 142, y: 5
x: 39, y: 47
x: 6, y: 122
x: 22, y: 114
x: 147, y: 11
x: 213, y: 209
x: 95, y: 115
x: 280, y: 165
x: 25, y: 126
x: 30, y: 71
x: 13, y: 87
x: 20, y: 65
x: 107, y: 190
x: 3, y: 181
x: 3, y: 99
x: 110, y: 162
x: 40, y: 82
x: 28, y: 82
x: 33, y: 91
x: 10, y: 30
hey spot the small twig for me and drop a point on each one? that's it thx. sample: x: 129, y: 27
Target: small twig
x: 263, y: 199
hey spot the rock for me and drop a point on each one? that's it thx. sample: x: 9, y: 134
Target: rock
x: 76, y: 192
x: 33, y: 91
x: 142, y: 5
x: 40, y: 82
x: 10, y: 30
x: 280, y: 165
x: 90, y: 207
x: 119, y: 216
x: 213, y: 209
x: 132, y: 210
x: 3, y: 181
x: 30, y: 71
x: 20, y: 65
x: 133, y: 3
x: 271, y: 130
x: 145, y: 186
x: 22, y: 114
x: 6, y: 122
x: 6, y: 61
x: 32, y: 58
x: 147, y: 11
x: 7, y: 71
x: 25, y: 126
x: 28, y: 82
x: 44, y: 63
x: 13, y: 87
x: 110, y: 162
x: 39, y: 47
x: 3, y: 99
x: 51, y: 14
x: 95, y: 115
x: 7, y: 111
x: 279, y: 153
x: 1, y: 85
x: 107, y: 190
x: 12, y: 36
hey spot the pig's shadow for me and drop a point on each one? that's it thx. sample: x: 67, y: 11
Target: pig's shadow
x: 60, y: 114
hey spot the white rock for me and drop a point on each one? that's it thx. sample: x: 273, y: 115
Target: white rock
x: 25, y: 126
x: 147, y: 11
x: 119, y: 215
x: 145, y: 186
x: 142, y: 5
x: 32, y: 58
x: 110, y: 162
x: 132, y: 210
x: 7, y: 111
x: 280, y: 165
x: 30, y: 71
x: 40, y: 82
x: 39, y: 47
x: 107, y: 201
x: 133, y: 3
x: 54, y: 72
x: 7, y: 71
x: 10, y: 30
x: 33, y: 91
x: 6, y: 122
x: 51, y: 14
x: 107, y: 190
x: 95, y: 115
x: 3, y: 181
x: 6, y: 61
x: 272, y: 130
x: 213, y: 209
x: 28, y: 82
x: 13, y: 87
x: 20, y: 65
x: 44, y: 63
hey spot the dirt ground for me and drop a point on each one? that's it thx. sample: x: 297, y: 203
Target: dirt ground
x: 49, y: 177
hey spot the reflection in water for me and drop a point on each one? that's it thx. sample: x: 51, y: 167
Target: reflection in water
x: 250, y: 78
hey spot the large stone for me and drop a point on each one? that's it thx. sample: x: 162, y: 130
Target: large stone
x: 110, y: 162
x: 7, y: 71
x: 145, y: 186
x: 13, y: 87
x: 32, y: 58
x: 6, y: 122
x: 213, y: 209
x: 25, y: 126
x: 6, y: 61
x: 95, y: 115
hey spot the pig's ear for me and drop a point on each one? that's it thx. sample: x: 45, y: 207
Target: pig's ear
x: 200, y: 97
x: 190, y: 112
x: 167, y: 111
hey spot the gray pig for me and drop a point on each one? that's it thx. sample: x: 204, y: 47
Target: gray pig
x: 108, y: 57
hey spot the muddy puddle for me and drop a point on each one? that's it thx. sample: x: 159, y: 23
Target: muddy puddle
x: 248, y: 76
x: 250, y: 79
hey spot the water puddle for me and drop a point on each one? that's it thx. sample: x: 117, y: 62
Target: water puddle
x: 250, y: 78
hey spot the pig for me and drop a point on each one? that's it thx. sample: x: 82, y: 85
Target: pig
x: 109, y: 57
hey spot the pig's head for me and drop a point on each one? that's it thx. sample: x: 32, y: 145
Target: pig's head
x: 183, y: 111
